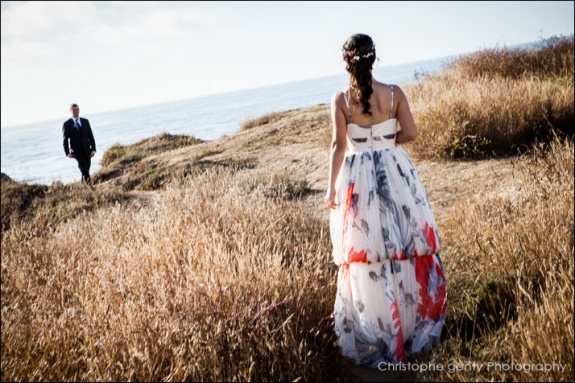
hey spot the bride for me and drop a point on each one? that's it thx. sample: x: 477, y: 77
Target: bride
x: 391, y: 298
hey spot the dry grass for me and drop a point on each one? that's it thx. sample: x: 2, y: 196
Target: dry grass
x: 552, y: 57
x: 37, y: 209
x: 509, y: 266
x: 135, y: 160
x: 264, y: 119
x: 227, y: 265
x: 122, y: 155
x: 488, y: 104
x: 210, y: 281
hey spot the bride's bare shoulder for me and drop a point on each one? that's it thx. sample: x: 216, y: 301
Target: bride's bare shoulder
x: 399, y: 94
x: 338, y: 98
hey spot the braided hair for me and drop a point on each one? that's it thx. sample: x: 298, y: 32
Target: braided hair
x: 359, y: 56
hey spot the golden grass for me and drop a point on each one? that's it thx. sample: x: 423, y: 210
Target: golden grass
x: 134, y: 160
x: 509, y: 267
x: 120, y: 154
x: 37, y: 209
x: 211, y: 281
x: 225, y: 275
x: 264, y: 119
x: 552, y: 57
x: 481, y: 106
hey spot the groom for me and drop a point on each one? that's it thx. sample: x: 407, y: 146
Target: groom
x: 82, y: 146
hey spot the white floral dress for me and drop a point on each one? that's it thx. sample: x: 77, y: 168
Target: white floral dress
x: 391, y: 298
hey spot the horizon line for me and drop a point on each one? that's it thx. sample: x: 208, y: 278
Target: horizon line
x: 496, y: 45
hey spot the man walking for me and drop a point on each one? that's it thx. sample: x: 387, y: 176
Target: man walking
x: 81, y: 144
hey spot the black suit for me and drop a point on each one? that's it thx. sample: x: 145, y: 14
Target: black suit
x: 81, y: 144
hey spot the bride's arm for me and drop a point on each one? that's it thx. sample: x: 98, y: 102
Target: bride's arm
x: 408, y: 130
x: 338, y: 145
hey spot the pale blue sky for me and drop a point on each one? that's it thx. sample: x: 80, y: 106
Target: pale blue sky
x: 113, y: 55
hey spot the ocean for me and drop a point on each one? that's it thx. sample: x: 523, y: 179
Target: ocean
x: 33, y: 153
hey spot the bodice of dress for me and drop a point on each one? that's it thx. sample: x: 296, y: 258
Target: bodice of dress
x: 373, y: 137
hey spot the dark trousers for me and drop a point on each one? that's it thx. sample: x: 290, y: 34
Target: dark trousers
x: 84, y: 165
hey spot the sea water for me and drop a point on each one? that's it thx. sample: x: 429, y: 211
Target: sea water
x: 34, y: 152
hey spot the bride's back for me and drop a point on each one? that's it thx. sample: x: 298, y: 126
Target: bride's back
x: 380, y: 101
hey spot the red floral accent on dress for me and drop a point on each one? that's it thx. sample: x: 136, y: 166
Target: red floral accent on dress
x: 346, y: 213
x: 357, y: 256
x: 347, y: 205
x: 429, y: 308
x: 399, y: 352
x: 399, y: 256
x: 430, y: 236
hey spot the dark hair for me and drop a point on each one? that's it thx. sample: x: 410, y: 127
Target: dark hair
x: 359, y: 56
x: 73, y: 105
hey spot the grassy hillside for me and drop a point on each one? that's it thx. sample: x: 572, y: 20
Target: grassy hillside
x: 496, y: 102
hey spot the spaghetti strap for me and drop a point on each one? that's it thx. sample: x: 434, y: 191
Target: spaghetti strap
x: 347, y: 104
x: 391, y: 110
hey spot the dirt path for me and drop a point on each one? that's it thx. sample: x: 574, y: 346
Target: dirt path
x: 447, y: 183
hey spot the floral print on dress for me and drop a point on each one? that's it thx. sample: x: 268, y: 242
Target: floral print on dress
x: 391, y: 297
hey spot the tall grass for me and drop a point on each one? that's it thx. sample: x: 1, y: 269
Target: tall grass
x: 224, y: 276
x: 495, y: 102
x: 37, y: 209
x: 210, y: 281
x: 550, y: 58
x: 509, y: 267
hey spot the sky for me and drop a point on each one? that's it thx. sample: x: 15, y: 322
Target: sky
x: 114, y: 55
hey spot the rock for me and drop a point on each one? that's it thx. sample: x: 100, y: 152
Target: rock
x: 5, y: 177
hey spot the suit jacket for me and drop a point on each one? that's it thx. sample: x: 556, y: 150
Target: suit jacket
x: 81, y: 141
